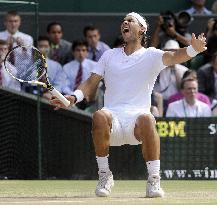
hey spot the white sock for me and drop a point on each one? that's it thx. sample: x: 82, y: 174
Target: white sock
x: 103, y: 164
x: 153, y: 167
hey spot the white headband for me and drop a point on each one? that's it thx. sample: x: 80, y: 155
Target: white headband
x: 139, y: 18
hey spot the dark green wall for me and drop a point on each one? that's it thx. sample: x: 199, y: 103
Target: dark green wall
x: 144, y: 6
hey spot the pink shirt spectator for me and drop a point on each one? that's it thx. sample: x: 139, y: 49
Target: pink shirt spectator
x: 178, y: 96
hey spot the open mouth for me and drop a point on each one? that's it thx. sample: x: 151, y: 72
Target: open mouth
x: 126, y: 30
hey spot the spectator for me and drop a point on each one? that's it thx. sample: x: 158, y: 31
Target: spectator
x: 169, y: 79
x: 12, y: 35
x: 214, y: 7
x: 200, y: 96
x: 212, y: 27
x: 78, y: 70
x: 189, y: 106
x: 55, y: 72
x: 60, y: 49
x: 207, y: 78
x: 166, y: 29
x: 5, y: 79
x: 198, y: 7
x: 95, y: 47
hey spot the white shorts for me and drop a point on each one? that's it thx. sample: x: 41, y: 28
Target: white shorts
x: 123, y: 124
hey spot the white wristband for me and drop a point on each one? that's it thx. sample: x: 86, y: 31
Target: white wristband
x: 79, y: 95
x: 191, y: 52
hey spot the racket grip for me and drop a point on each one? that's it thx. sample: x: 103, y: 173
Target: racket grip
x: 56, y: 93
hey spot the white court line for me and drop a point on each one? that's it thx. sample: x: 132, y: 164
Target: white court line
x: 36, y: 202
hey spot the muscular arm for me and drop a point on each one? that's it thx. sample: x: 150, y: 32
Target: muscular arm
x: 89, y: 87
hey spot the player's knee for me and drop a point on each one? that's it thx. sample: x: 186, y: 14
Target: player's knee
x: 99, y: 120
x: 145, y: 120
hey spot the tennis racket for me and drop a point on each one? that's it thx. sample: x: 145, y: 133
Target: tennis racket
x: 28, y: 65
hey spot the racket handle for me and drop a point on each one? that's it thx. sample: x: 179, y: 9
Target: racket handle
x: 56, y: 93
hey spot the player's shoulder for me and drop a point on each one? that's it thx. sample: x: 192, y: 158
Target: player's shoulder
x: 153, y: 49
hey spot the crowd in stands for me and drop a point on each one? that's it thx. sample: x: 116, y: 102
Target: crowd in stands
x: 188, y: 90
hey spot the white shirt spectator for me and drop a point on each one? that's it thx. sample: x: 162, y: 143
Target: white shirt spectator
x: 169, y: 80
x: 25, y: 38
x: 205, y: 11
x: 8, y: 81
x: 71, y: 70
x: 181, y: 108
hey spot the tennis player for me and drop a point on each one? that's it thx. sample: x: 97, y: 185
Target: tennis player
x: 129, y: 73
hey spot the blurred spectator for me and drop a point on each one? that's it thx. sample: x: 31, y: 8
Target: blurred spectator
x: 55, y: 72
x: 157, y: 104
x: 214, y: 7
x: 207, y: 78
x: 95, y: 47
x: 170, y: 28
x: 211, y: 27
x: 60, y: 49
x: 169, y: 79
x: 189, y: 106
x: 200, y: 96
x: 198, y: 7
x: 78, y: 70
x: 12, y: 35
x: 5, y: 79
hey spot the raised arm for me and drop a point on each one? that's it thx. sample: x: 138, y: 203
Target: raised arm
x: 198, y: 45
x: 87, y: 89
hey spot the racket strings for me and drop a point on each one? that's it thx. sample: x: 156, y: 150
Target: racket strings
x: 26, y: 64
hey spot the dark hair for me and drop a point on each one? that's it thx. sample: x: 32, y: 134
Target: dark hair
x: 43, y: 38
x: 79, y: 42
x: 189, y: 73
x: 3, y: 42
x: 186, y: 80
x: 50, y: 25
x: 89, y: 28
x: 12, y: 13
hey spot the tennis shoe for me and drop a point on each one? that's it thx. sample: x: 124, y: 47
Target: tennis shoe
x: 105, y: 184
x: 153, y: 188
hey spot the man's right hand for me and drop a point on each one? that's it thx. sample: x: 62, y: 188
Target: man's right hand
x: 54, y: 101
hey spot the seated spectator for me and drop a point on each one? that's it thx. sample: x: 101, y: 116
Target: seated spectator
x: 189, y: 106
x: 166, y: 29
x: 207, y: 79
x: 198, y: 7
x: 5, y: 79
x: 200, y: 96
x: 78, y: 70
x: 95, y: 47
x: 55, y: 71
x: 12, y: 35
x: 60, y: 49
x: 169, y: 79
